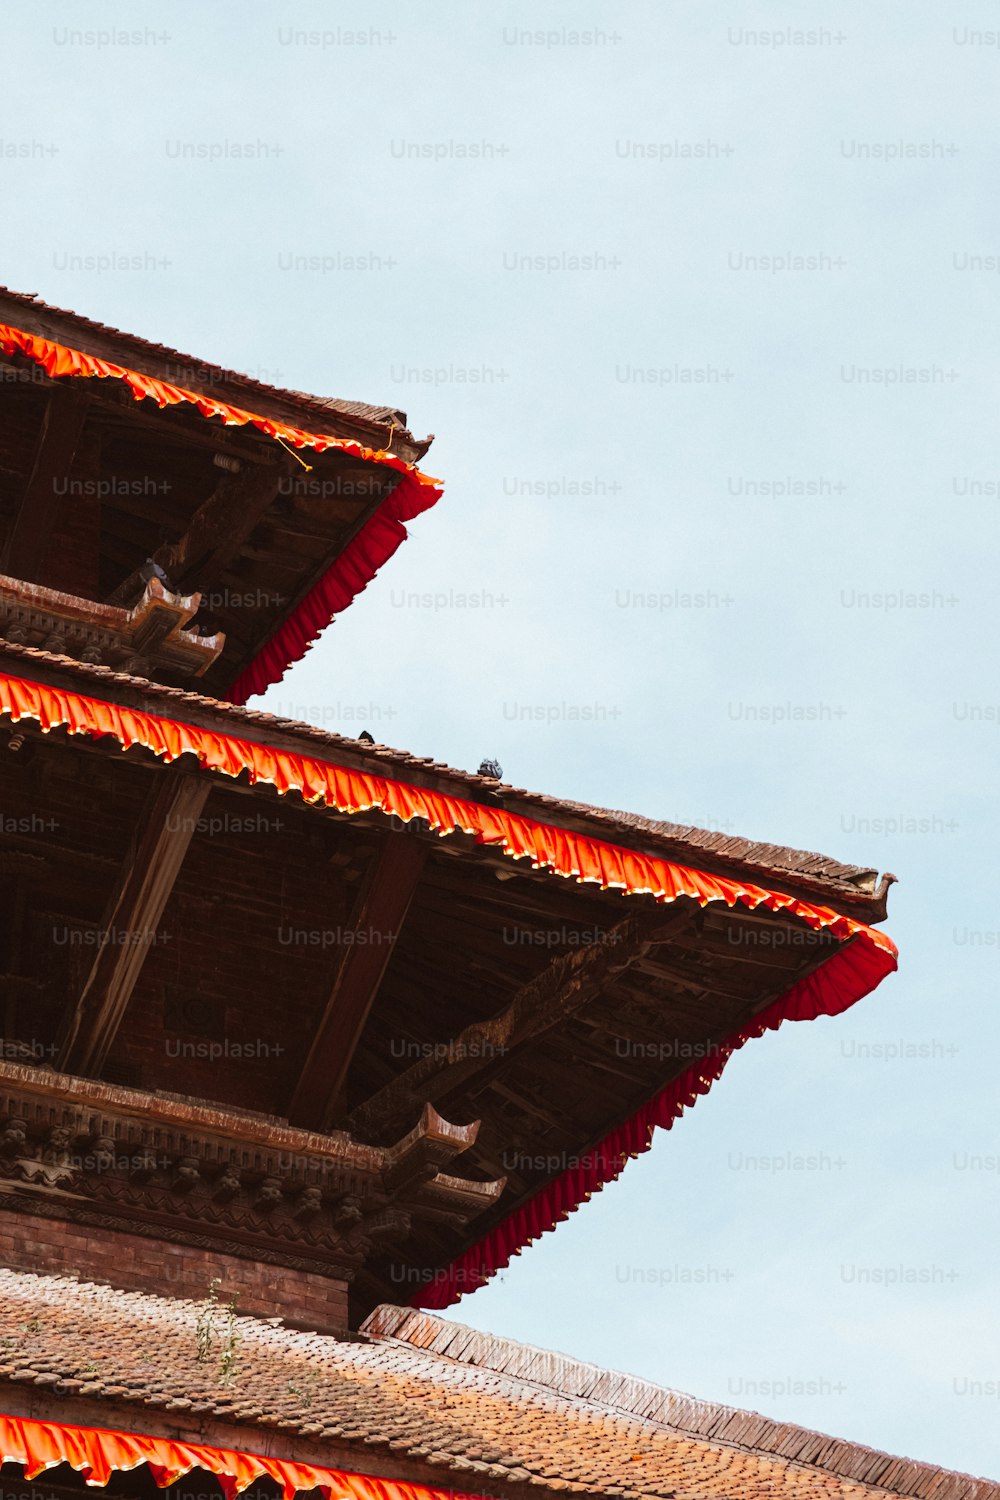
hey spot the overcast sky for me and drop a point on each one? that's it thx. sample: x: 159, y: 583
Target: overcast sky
x: 702, y: 306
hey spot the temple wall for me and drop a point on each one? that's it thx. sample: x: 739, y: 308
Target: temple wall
x: 56, y: 1247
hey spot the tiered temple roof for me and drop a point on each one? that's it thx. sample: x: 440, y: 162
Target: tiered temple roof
x: 296, y: 1024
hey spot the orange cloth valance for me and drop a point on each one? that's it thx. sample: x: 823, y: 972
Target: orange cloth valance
x: 360, y: 560
x: 97, y: 1454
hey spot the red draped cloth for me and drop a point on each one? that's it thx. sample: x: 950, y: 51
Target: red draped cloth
x: 97, y: 1454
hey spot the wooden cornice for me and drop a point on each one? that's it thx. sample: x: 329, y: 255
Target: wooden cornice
x: 174, y: 1168
x: 149, y: 636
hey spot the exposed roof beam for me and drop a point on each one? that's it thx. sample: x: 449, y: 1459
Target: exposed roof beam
x: 132, y: 917
x: 566, y: 984
x: 31, y: 533
x: 318, y: 1098
x: 217, y: 531
x: 179, y: 427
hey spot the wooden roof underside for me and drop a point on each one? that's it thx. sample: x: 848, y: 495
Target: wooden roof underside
x: 352, y: 957
x: 92, y: 484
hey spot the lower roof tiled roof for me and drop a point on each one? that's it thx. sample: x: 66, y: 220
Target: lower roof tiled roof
x: 479, y: 1411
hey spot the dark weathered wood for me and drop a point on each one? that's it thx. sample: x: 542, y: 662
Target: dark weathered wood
x: 132, y: 917
x: 31, y: 532
x: 566, y: 984
x: 318, y: 1098
x: 218, y: 530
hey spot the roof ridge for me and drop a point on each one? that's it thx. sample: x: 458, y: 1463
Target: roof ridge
x: 714, y: 840
x: 632, y: 1395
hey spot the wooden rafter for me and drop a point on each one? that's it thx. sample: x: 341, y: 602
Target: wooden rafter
x: 33, y: 526
x: 217, y: 531
x: 566, y: 984
x: 131, y: 919
x: 364, y: 957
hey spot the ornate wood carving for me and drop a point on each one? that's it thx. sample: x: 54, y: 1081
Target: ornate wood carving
x: 217, y: 531
x: 150, y: 635
x: 325, y: 1205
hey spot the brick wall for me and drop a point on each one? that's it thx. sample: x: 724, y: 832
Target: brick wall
x: 136, y: 1264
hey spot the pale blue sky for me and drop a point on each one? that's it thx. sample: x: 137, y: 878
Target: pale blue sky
x: 758, y: 1279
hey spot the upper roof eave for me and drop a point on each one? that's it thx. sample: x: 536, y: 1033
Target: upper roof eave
x: 855, y: 887
x: 92, y: 337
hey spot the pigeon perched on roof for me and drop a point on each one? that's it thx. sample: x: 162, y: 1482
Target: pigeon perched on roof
x: 366, y: 738
x: 491, y: 768
x: 151, y: 569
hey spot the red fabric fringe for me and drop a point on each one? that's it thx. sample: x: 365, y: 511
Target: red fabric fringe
x: 97, y: 1453
x: 849, y: 974
x: 356, y: 566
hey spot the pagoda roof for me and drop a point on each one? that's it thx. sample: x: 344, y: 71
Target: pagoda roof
x: 273, y: 508
x: 590, y: 979
x: 413, y: 1397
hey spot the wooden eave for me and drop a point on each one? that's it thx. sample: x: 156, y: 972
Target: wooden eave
x: 351, y: 419
x: 860, y: 893
x: 461, y: 961
x: 138, y: 481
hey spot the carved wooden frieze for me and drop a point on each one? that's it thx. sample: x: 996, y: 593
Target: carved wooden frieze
x: 150, y: 636
x: 145, y: 1163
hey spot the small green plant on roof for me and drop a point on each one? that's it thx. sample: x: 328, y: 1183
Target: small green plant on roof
x: 229, y: 1338
x: 303, y: 1389
x: 229, y: 1358
x: 204, y: 1327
